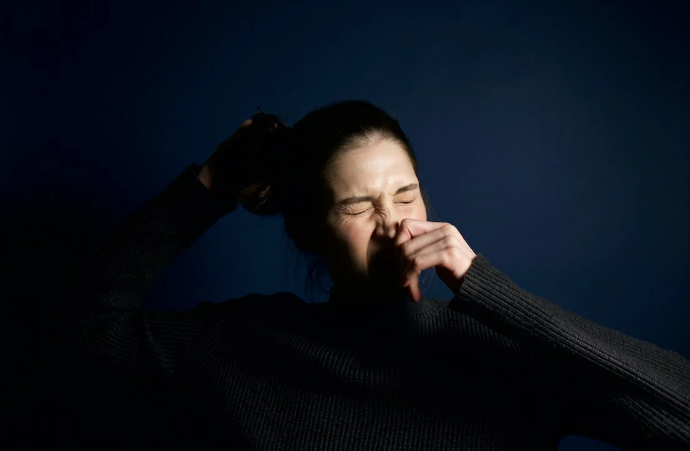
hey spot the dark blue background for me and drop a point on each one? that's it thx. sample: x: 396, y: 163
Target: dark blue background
x: 553, y: 135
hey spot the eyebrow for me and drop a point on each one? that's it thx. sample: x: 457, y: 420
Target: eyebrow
x: 355, y: 200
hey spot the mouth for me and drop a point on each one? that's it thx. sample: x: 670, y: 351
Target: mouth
x: 385, y: 266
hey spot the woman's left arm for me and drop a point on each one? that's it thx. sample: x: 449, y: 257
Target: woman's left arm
x: 619, y: 389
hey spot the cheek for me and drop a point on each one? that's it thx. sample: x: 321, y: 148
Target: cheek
x: 357, y: 236
x: 420, y: 213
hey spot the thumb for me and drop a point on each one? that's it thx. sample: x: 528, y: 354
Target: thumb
x: 413, y: 287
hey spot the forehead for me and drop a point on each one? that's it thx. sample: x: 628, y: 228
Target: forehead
x: 383, y: 165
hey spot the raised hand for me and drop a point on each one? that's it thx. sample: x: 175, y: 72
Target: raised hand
x: 426, y: 244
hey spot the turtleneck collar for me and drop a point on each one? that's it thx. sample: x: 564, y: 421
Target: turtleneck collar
x: 344, y: 300
x: 372, y: 325
x: 396, y: 312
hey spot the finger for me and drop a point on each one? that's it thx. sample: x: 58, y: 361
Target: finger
x: 413, y: 287
x: 434, y: 245
x: 246, y: 123
x: 410, y: 228
x: 421, y: 244
x: 419, y: 263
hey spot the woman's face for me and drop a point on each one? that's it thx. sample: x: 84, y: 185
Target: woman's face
x: 373, y: 188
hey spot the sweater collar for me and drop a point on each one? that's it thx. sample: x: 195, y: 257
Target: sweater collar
x: 343, y: 300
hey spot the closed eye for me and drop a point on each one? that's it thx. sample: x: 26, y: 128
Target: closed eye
x: 359, y: 213
x: 355, y: 214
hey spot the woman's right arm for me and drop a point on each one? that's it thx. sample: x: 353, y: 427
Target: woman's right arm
x: 102, y: 320
x: 102, y: 317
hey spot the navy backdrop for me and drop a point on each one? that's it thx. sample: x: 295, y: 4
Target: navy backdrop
x: 553, y: 135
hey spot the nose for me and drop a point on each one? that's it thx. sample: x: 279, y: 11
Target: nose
x: 387, y: 225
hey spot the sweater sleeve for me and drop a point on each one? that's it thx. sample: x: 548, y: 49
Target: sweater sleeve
x: 611, y: 387
x: 102, y: 318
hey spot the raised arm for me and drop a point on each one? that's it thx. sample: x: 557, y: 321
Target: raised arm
x: 102, y: 318
x: 612, y: 387
x: 103, y: 315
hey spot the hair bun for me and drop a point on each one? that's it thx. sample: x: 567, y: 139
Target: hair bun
x: 261, y: 197
x: 270, y: 123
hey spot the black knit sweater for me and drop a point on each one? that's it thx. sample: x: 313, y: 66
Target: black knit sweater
x: 494, y: 368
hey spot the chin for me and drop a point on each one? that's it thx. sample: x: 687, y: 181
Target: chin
x: 385, y: 286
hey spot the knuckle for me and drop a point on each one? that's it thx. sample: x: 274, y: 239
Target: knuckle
x: 417, y: 261
x: 456, y: 252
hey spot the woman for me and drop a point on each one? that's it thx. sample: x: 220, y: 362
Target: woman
x: 379, y: 366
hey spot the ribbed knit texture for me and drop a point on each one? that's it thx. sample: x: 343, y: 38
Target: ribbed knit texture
x: 494, y: 368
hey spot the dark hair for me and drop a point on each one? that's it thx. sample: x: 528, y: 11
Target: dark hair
x: 294, y: 184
